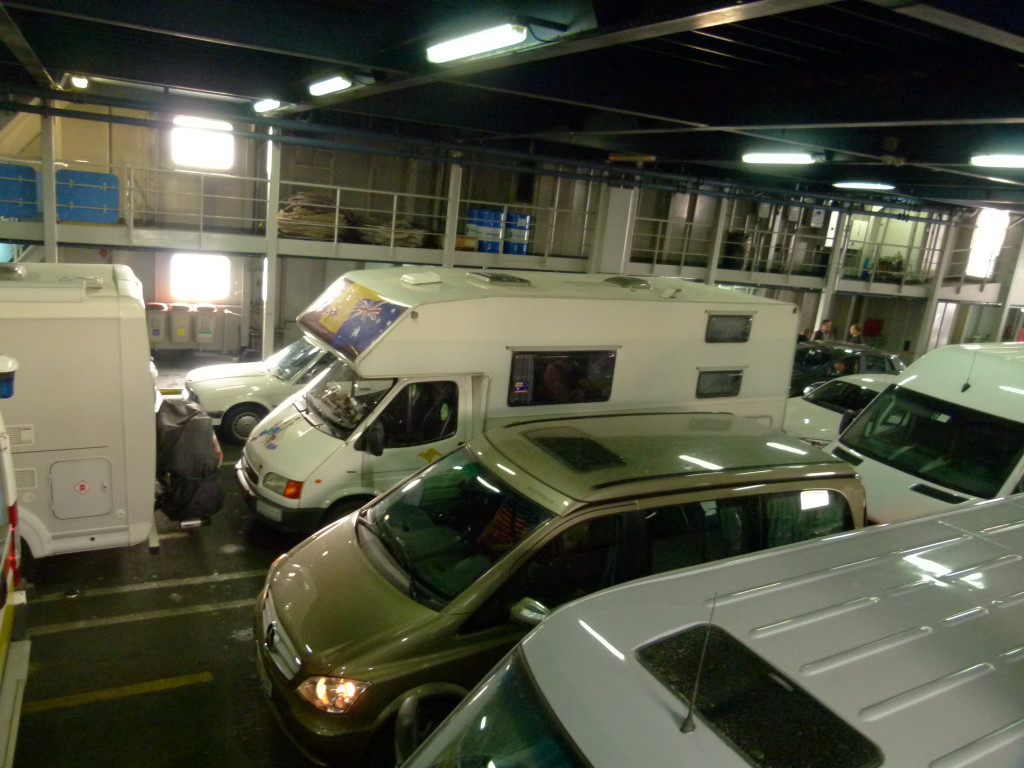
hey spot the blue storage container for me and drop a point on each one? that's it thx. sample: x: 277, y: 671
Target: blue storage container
x: 517, y: 233
x: 18, y: 193
x: 87, y: 196
x: 485, y: 225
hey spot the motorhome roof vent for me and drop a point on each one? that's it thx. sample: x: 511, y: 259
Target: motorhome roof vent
x: 498, y: 278
x: 421, y: 278
x: 625, y: 281
x: 12, y: 272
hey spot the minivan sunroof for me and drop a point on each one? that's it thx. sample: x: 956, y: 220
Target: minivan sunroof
x: 763, y: 715
x: 574, y: 448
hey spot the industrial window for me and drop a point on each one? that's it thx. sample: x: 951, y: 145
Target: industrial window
x: 200, y: 143
x: 200, y: 277
x: 989, y: 233
x: 728, y: 329
x: 547, y: 378
x: 719, y: 383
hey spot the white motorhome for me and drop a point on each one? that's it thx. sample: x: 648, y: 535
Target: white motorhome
x: 14, y: 643
x: 894, y: 645
x: 429, y: 358
x: 82, y: 428
x: 950, y: 430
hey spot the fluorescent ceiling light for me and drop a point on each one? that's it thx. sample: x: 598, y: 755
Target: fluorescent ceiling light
x: 266, y: 105
x: 479, y: 42
x: 331, y: 85
x: 863, y: 185
x: 999, y: 161
x: 779, y: 158
x: 79, y: 81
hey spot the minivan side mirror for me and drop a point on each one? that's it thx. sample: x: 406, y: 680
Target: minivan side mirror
x: 529, y: 612
x: 848, y: 416
x: 372, y: 439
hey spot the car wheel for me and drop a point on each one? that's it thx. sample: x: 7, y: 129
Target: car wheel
x: 417, y: 718
x: 239, y: 422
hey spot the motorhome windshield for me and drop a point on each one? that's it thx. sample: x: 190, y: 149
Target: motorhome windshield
x: 290, y: 361
x: 507, y: 723
x: 341, y: 400
x: 449, y: 524
x: 946, y: 444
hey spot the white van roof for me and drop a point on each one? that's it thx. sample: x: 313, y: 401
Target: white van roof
x: 910, y: 634
x: 985, y: 377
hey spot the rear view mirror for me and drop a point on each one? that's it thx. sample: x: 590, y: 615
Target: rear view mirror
x: 529, y: 612
x: 848, y: 416
x: 372, y: 440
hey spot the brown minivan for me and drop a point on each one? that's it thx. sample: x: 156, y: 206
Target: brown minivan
x: 425, y: 588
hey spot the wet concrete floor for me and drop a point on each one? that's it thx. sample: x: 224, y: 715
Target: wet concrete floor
x: 147, y: 659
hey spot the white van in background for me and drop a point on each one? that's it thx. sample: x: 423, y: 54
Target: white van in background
x: 82, y: 427
x: 950, y: 430
x: 897, y: 646
x: 427, y: 359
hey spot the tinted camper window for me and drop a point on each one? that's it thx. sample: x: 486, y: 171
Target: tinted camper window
x: 550, y: 377
x: 728, y: 328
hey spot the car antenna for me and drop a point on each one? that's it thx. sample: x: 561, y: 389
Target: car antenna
x: 687, y: 724
x: 967, y: 380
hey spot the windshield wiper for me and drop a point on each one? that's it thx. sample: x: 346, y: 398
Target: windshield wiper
x: 401, y: 554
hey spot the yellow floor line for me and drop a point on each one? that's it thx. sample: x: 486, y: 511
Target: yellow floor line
x: 115, y: 693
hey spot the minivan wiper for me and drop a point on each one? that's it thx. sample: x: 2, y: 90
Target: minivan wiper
x: 399, y: 551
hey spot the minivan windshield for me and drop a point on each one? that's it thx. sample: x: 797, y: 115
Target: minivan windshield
x: 946, y: 444
x: 450, y: 523
x: 507, y: 723
x: 340, y: 400
x: 287, y: 363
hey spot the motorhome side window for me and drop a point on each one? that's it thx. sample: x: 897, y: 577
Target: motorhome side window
x: 728, y: 329
x: 719, y: 383
x: 562, y: 376
x: 423, y: 412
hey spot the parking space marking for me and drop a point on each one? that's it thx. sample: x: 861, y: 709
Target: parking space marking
x: 169, y: 583
x: 51, y: 629
x: 121, y: 692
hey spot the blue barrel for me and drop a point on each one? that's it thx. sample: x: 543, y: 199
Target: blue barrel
x: 517, y: 233
x: 485, y: 225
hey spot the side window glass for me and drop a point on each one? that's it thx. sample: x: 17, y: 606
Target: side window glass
x: 423, y: 412
x: 688, y: 534
x: 874, y: 364
x: 545, y: 378
x: 580, y: 560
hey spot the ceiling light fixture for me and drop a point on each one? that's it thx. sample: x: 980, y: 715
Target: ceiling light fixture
x: 871, y: 185
x: 80, y: 81
x: 330, y: 85
x: 780, y: 158
x: 266, y: 105
x: 999, y: 161
x: 484, y: 41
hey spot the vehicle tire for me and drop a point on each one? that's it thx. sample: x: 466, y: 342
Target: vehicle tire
x: 239, y: 421
x: 417, y: 718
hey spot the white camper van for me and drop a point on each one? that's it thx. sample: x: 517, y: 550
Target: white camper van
x: 950, y: 430
x: 429, y: 358
x: 82, y: 427
x: 14, y: 644
x: 894, y: 646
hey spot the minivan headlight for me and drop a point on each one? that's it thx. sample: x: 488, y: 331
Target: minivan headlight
x: 290, y: 489
x: 334, y: 695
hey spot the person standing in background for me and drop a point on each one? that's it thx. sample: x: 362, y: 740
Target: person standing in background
x: 855, y: 337
x: 824, y: 332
